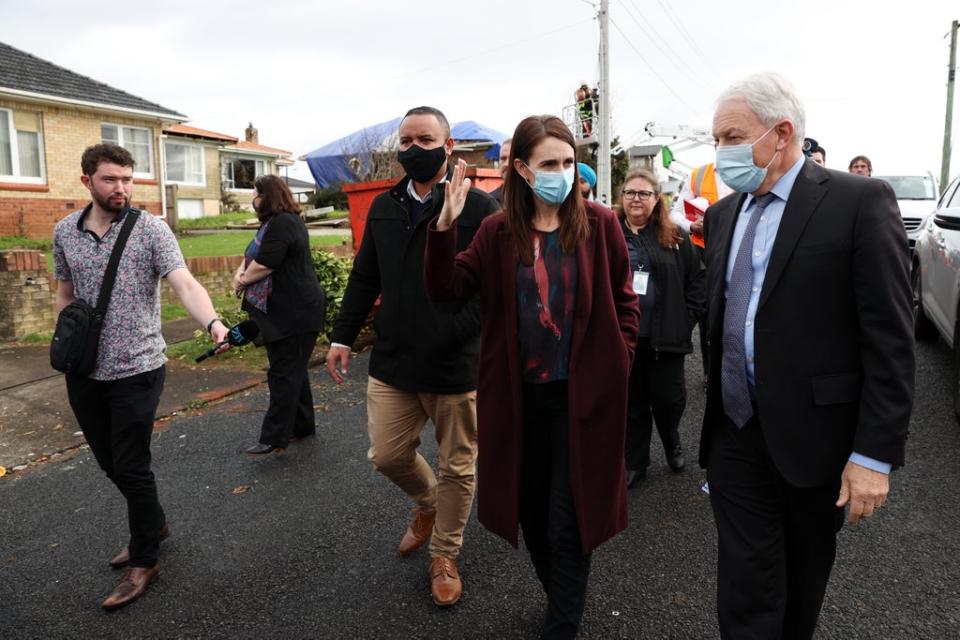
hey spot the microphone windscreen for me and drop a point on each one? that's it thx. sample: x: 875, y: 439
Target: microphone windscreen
x: 243, y: 332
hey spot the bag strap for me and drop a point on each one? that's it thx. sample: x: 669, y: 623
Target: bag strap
x: 110, y: 276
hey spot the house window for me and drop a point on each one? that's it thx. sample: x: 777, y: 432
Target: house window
x: 240, y: 173
x: 137, y: 140
x: 21, y: 145
x: 185, y: 163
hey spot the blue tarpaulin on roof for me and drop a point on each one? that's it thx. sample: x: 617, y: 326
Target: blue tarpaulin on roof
x: 330, y: 163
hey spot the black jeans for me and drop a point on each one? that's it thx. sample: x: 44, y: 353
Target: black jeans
x: 547, y: 512
x: 657, y: 392
x: 776, y: 542
x: 291, y: 402
x: 116, y: 417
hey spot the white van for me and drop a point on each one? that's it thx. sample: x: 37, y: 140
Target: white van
x: 917, y: 196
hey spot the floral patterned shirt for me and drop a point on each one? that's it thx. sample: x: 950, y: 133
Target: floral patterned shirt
x: 130, y: 342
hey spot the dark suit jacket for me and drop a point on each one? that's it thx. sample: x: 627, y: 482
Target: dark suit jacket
x: 833, y: 336
x: 605, y: 323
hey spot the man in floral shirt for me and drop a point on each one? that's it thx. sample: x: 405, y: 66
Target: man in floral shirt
x: 116, y: 404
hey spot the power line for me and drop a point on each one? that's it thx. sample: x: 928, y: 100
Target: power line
x: 686, y: 34
x: 492, y: 49
x: 650, y: 67
x: 674, y: 56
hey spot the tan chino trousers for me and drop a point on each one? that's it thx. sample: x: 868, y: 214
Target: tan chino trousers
x: 395, y: 419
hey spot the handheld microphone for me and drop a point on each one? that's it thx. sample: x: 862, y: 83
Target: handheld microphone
x: 240, y: 334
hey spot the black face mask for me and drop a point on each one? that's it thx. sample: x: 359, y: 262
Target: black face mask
x: 422, y: 164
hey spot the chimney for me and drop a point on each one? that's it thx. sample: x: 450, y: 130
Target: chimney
x: 251, y: 135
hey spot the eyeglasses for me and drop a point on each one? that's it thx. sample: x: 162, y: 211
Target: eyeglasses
x: 630, y: 194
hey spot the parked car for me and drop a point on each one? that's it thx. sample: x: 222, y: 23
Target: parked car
x: 936, y: 278
x: 917, y: 197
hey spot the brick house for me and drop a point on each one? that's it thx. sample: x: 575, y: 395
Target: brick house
x: 200, y: 164
x: 48, y: 116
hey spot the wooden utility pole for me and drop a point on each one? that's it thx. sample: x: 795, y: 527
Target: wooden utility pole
x: 604, y: 121
x: 947, y: 127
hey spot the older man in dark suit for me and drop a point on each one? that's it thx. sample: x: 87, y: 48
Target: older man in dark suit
x: 811, y: 360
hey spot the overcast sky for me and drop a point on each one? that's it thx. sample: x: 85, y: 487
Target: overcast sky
x: 872, y: 74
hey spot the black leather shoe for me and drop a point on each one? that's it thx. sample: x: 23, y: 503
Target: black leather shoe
x: 260, y: 449
x: 676, y: 460
x: 634, y: 477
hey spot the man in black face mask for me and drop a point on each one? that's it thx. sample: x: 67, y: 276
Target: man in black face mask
x: 424, y: 362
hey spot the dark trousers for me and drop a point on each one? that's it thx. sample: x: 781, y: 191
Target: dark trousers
x: 703, y: 325
x: 657, y: 392
x: 776, y: 542
x: 547, y: 513
x: 291, y: 403
x: 116, y: 417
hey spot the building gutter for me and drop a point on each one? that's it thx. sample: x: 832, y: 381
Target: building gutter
x: 96, y: 106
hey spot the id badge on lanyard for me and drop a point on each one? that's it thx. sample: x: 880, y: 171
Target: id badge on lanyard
x: 640, y: 280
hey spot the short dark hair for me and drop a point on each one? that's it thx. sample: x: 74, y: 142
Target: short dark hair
x: 275, y: 197
x: 822, y: 151
x: 430, y: 111
x: 94, y: 156
x: 865, y: 160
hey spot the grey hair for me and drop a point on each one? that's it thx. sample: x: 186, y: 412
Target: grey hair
x: 772, y: 97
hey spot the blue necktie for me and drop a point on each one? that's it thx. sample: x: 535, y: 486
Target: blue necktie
x: 733, y: 373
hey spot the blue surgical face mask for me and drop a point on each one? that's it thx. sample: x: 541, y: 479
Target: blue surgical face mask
x: 552, y: 187
x: 736, y: 168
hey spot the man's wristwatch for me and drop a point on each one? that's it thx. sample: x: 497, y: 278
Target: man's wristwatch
x: 210, y: 324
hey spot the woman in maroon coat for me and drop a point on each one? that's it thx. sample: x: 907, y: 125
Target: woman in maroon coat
x: 559, y: 322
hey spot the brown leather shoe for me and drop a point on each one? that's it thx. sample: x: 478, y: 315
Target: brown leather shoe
x: 445, y: 585
x: 122, y: 558
x: 133, y: 585
x: 417, y: 532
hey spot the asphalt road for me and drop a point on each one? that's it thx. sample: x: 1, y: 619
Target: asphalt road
x: 303, y: 546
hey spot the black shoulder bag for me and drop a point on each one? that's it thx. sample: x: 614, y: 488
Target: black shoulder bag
x: 77, y: 336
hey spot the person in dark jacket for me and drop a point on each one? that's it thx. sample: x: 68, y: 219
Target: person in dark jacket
x: 424, y: 362
x: 670, y: 282
x: 559, y: 326
x: 281, y: 293
x: 503, y: 167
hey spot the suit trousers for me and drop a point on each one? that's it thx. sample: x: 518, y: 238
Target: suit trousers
x: 548, y: 515
x: 657, y: 393
x: 290, y: 412
x: 116, y: 417
x: 395, y: 419
x: 776, y: 542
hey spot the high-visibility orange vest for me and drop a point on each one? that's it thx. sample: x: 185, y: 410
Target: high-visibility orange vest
x: 703, y: 183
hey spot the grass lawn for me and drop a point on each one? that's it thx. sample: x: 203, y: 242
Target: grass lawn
x: 221, y: 221
x: 176, y: 311
x: 17, y: 242
x: 247, y: 356
x: 234, y: 244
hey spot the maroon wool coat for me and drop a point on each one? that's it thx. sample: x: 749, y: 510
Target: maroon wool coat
x: 605, y: 325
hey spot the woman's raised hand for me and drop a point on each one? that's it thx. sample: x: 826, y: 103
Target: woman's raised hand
x: 455, y: 196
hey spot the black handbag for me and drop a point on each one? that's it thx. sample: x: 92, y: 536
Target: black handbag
x: 76, y: 338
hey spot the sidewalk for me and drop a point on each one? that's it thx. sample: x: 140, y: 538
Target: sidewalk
x: 35, y: 417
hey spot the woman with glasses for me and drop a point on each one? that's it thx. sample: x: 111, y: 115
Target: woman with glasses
x: 559, y: 322
x: 281, y: 292
x: 669, y: 280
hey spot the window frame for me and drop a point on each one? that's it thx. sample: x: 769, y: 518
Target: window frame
x: 148, y: 175
x: 203, y: 163
x: 15, y: 177
x: 227, y: 159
